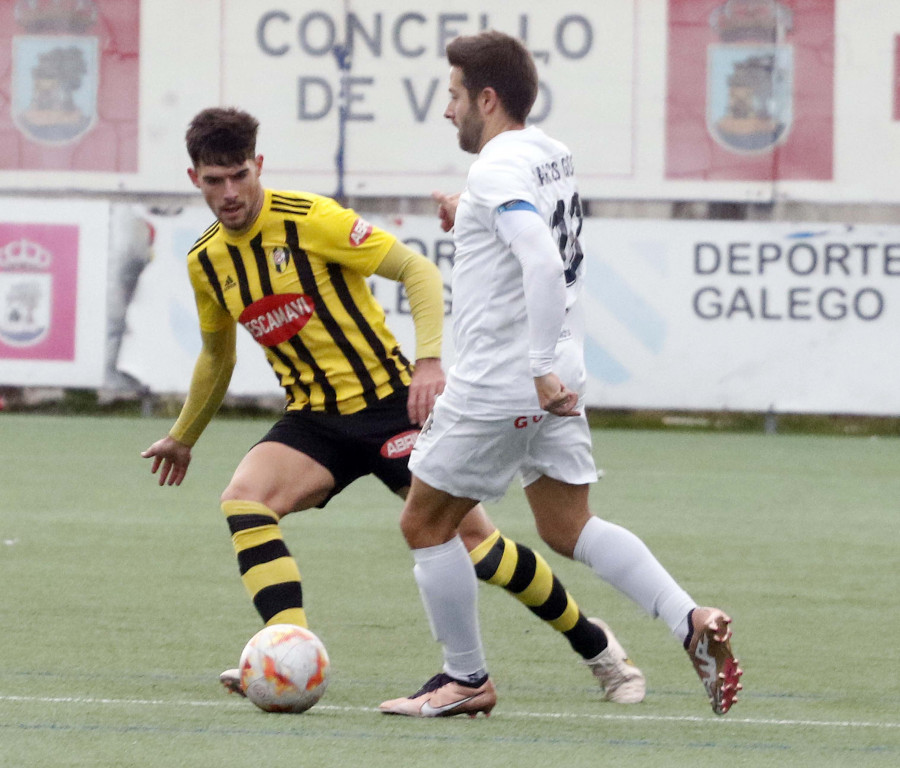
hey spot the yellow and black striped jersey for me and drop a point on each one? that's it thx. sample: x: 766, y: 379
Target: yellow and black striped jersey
x: 296, y: 280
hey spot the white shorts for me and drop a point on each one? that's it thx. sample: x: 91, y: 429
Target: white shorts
x: 477, y: 459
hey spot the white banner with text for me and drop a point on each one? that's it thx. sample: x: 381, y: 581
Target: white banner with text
x: 681, y: 315
x: 658, y: 99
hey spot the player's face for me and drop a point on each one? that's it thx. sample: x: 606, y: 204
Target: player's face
x: 233, y: 193
x: 464, y: 114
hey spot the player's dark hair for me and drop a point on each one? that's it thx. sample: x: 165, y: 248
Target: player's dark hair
x: 495, y: 60
x: 221, y: 136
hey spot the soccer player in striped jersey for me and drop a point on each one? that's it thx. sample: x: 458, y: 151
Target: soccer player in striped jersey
x: 291, y: 267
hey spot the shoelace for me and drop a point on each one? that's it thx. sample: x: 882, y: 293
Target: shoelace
x: 441, y: 679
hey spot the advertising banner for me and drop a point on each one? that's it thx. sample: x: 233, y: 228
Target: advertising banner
x: 743, y: 316
x: 681, y: 315
x: 382, y: 67
x: 750, y: 90
x: 71, y: 72
x: 53, y: 259
x: 736, y: 100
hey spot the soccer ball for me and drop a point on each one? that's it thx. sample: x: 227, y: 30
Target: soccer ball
x: 284, y: 668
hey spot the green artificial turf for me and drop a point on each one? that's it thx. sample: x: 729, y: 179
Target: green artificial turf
x: 121, y: 603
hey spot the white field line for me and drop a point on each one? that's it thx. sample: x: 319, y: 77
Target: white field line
x: 533, y: 715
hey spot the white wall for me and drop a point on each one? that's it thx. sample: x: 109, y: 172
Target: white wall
x: 607, y: 66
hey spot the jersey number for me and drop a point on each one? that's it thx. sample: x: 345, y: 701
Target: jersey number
x: 566, y: 226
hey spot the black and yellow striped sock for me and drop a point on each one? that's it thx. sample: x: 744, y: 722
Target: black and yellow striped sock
x: 526, y: 575
x: 267, y: 569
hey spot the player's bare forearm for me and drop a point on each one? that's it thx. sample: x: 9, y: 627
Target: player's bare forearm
x: 171, y: 459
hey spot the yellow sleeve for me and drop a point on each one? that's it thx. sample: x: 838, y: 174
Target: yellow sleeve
x: 209, y: 383
x: 212, y: 315
x: 341, y: 235
x: 425, y: 290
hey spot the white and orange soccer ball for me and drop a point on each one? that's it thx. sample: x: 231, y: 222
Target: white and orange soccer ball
x: 284, y: 668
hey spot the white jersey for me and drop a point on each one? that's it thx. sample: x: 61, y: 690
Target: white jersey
x: 492, y: 375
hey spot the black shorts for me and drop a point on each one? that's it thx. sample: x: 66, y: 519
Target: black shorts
x: 374, y: 441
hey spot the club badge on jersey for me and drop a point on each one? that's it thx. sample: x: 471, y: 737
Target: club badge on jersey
x: 281, y: 257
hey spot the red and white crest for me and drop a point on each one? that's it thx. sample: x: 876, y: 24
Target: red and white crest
x: 360, y: 232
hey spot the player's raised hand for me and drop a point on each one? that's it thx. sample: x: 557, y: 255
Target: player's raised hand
x: 447, y: 205
x: 554, y: 397
x: 170, y: 458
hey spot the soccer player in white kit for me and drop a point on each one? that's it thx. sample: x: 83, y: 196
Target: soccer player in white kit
x: 512, y: 400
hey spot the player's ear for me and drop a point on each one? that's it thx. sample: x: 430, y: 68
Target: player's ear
x: 488, y: 101
x: 192, y: 174
x: 259, y: 164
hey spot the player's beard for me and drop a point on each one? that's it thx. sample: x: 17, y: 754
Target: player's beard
x: 470, y: 130
x: 243, y: 211
x: 236, y: 217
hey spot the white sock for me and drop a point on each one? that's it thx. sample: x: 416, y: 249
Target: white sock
x: 621, y: 559
x: 449, y: 589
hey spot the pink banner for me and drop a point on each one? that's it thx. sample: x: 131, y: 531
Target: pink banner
x: 38, y: 291
x: 69, y: 85
x: 750, y: 90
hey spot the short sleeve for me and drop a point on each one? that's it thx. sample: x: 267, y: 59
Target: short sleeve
x: 492, y: 184
x: 341, y: 235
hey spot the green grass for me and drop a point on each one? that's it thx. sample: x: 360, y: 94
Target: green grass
x: 120, y: 604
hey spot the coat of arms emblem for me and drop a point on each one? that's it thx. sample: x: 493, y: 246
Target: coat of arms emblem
x: 56, y: 66
x: 280, y: 256
x: 750, y: 72
x: 26, y: 293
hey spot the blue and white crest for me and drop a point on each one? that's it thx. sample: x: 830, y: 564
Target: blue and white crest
x: 750, y: 95
x: 55, y: 80
x: 750, y: 76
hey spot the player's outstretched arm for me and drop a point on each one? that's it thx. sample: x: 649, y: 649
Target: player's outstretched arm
x: 212, y: 373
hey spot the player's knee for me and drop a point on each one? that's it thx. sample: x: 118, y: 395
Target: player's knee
x: 421, y: 531
x: 281, y: 497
